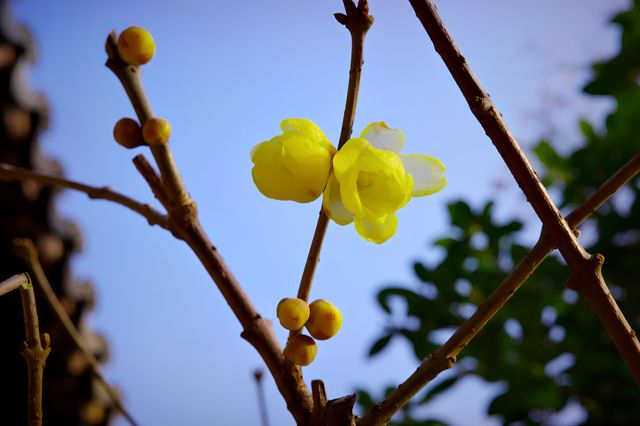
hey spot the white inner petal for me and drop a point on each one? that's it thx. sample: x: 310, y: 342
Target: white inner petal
x: 427, y: 172
x: 381, y: 136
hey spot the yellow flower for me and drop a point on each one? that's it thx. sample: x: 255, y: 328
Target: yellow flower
x: 371, y: 181
x: 295, y: 165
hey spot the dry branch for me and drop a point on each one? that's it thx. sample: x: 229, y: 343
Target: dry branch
x: 598, y: 295
x: 154, y: 217
x: 35, y: 348
x: 13, y: 283
x: 27, y: 251
x: 35, y: 351
x: 445, y: 356
x: 586, y: 275
x: 169, y: 188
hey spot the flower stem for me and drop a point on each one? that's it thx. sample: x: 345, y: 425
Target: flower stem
x: 358, y: 21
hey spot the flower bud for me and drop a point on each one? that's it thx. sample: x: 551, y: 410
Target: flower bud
x: 136, y: 46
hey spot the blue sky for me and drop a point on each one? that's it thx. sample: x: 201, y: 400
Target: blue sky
x: 225, y: 75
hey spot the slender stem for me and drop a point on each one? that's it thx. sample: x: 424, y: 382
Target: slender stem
x: 131, y: 79
x: 358, y: 21
x: 154, y: 217
x: 585, y: 268
x: 445, y: 356
x: 153, y: 180
x: 13, y: 283
x: 27, y: 251
x: 313, y: 258
x: 35, y: 351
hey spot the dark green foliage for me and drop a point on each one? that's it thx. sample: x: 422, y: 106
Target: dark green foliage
x: 546, y: 344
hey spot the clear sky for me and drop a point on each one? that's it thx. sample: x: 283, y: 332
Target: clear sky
x: 225, y: 74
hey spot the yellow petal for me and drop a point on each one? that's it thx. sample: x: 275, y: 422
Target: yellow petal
x: 377, y: 233
x: 349, y: 192
x: 373, y: 182
x: 427, y: 173
x: 332, y: 203
x: 291, y: 166
x: 307, y: 128
x: 347, y: 156
x: 381, y: 136
x: 265, y: 172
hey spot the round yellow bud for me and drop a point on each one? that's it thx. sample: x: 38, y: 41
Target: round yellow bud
x: 156, y: 131
x: 293, y: 313
x: 300, y: 349
x: 127, y: 132
x: 324, y: 320
x: 136, y: 46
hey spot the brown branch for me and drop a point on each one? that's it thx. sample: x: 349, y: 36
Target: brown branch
x: 26, y: 250
x: 185, y: 225
x: 494, y: 126
x: 338, y: 412
x: 358, y: 21
x: 13, y: 283
x: 131, y: 79
x: 35, y: 351
x: 153, y: 180
x: 585, y: 268
x: 445, y: 356
x: 154, y: 217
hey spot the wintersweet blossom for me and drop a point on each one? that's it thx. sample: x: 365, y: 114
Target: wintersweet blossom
x: 371, y: 180
x: 365, y: 182
x: 295, y: 165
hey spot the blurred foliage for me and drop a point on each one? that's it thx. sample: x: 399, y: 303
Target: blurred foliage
x: 546, y: 345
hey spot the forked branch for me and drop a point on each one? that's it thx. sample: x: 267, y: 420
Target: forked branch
x: 586, y: 276
x: 26, y: 250
x: 445, y: 356
x: 35, y: 348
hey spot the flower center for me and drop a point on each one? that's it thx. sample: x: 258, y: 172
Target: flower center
x: 365, y: 178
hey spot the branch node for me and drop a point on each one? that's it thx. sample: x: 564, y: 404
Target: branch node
x: 481, y: 104
x: 357, y: 19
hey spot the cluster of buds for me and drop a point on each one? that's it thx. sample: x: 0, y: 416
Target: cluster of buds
x: 321, y: 319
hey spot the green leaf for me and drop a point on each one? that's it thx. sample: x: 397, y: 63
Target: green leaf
x: 587, y: 130
x: 548, y: 156
x: 380, y: 344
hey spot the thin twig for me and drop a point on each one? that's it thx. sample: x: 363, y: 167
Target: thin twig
x: 27, y: 251
x: 13, y: 283
x: 445, y: 356
x: 185, y: 225
x: 131, y: 79
x: 154, y: 217
x: 586, y: 276
x: 35, y: 351
x: 358, y: 21
x: 153, y: 180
